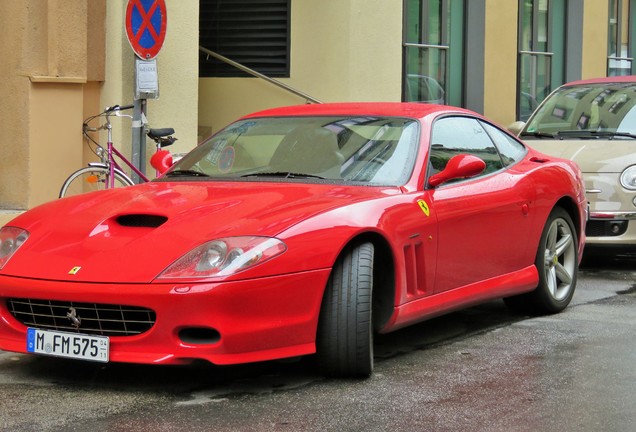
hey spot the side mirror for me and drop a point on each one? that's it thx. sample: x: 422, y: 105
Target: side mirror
x: 460, y: 166
x: 516, y: 127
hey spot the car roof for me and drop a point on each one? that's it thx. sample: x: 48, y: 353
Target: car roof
x: 389, y: 109
x: 603, y: 80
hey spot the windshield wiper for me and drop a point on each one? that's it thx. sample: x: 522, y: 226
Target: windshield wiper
x: 283, y: 174
x: 540, y: 134
x: 611, y: 134
x: 186, y: 173
x: 594, y: 134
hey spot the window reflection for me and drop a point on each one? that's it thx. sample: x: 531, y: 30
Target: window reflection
x: 462, y: 135
x: 370, y: 150
x: 589, y: 107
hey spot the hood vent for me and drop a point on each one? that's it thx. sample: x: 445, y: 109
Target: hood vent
x: 141, y: 220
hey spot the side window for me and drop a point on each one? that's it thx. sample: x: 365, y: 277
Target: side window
x: 462, y: 135
x: 509, y: 148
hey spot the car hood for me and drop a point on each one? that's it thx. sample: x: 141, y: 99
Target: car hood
x: 130, y: 235
x: 592, y: 156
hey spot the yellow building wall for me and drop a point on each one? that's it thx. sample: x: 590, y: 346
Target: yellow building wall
x: 500, y: 61
x: 340, y: 51
x: 54, y: 134
x: 14, y: 92
x: 44, y: 47
x: 595, y: 33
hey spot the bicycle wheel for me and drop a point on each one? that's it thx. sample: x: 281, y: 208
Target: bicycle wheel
x: 91, y: 179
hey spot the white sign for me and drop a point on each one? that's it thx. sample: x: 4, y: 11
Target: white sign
x: 147, y: 81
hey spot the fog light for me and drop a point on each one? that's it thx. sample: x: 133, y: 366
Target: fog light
x: 615, y: 228
x: 634, y: 201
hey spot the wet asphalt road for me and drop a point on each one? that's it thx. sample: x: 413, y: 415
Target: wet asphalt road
x: 481, y: 369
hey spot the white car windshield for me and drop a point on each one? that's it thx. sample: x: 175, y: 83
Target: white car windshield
x: 370, y: 150
x: 586, y: 110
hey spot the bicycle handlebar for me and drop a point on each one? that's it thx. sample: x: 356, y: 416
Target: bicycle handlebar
x: 118, y: 108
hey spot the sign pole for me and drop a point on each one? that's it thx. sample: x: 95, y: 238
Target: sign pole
x: 139, y: 138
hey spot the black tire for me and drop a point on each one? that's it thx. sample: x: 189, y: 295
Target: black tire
x: 89, y: 179
x: 557, y: 264
x: 345, y: 332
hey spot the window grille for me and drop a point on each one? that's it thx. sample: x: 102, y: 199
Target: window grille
x: 254, y: 33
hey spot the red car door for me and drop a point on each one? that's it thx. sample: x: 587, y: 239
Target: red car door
x: 481, y: 220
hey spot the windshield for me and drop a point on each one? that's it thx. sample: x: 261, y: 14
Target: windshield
x: 370, y: 150
x: 605, y: 110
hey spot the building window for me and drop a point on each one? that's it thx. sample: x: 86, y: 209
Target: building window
x: 620, y: 60
x: 254, y: 33
x: 433, y: 51
x: 541, y: 66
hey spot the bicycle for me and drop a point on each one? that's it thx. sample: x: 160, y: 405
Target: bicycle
x: 108, y: 173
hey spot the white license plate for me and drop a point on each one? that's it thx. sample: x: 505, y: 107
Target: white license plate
x: 69, y: 345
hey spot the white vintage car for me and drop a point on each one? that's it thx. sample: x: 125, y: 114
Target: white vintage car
x: 593, y: 122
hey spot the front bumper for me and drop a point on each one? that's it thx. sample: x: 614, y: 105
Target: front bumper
x: 612, y: 220
x: 255, y: 320
x: 612, y: 230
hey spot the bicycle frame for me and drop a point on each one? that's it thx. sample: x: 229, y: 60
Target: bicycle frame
x: 112, y: 163
x: 108, y: 172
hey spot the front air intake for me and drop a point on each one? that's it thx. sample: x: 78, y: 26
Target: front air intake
x: 92, y: 318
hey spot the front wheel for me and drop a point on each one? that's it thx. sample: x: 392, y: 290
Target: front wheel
x: 557, y: 264
x: 91, y: 179
x: 345, y: 334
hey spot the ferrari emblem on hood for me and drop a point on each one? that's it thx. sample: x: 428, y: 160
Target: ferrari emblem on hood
x: 74, y: 270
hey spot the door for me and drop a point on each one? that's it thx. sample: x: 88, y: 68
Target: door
x: 481, y: 220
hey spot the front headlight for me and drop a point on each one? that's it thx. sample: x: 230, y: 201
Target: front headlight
x: 11, y: 238
x: 224, y: 257
x: 628, y: 178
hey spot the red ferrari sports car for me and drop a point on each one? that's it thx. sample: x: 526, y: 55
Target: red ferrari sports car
x: 296, y: 231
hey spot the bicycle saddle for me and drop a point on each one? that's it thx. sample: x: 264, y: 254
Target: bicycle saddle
x: 162, y: 136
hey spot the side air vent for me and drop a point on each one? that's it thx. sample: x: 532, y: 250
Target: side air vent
x: 539, y: 159
x: 141, y: 220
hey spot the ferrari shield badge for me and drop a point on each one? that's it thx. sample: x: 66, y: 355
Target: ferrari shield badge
x: 424, y: 207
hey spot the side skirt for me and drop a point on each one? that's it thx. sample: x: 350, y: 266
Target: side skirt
x: 519, y: 282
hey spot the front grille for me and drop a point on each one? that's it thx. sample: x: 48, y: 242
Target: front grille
x: 99, y: 319
x: 601, y: 228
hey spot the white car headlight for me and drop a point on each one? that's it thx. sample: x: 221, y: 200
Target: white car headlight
x: 11, y: 238
x: 224, y: 257
x: 628, y: 178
